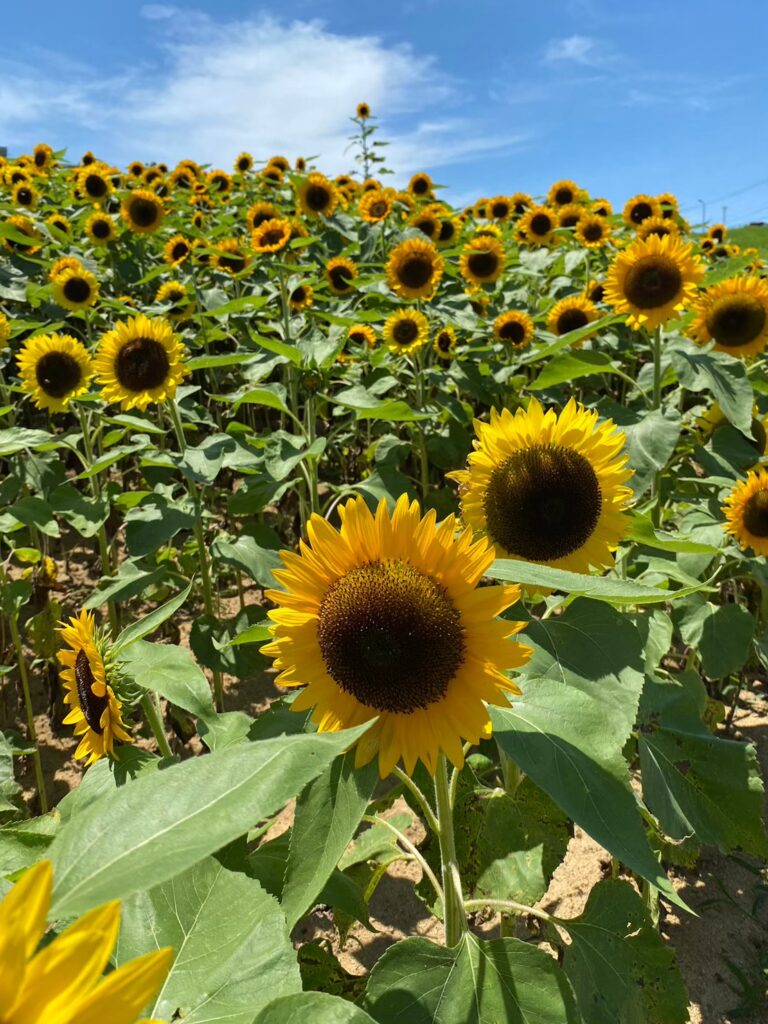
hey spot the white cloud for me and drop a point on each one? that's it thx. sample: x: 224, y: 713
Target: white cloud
x: 580, y: 50
x: 158, y: 12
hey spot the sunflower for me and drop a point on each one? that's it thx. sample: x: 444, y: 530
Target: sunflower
x: 546, y: 488
x: 54, y: 369
x: 42, y: 156
x: 520, y: 202
x: 427, y: 222
x: 340, y: 274
x: 570, y: 314
x: 142, y: 211
x: 601, y: 208
x: 75, y: 289
x: 139, y: 362
x: 450, y: 230
x: 593, y: 231
x: 61, y: 983
x: 445, y: 343
x: 660, y: 226
x: 669, y: 205
x: 595, y: 291
x: 420, y: 185
x: 62, y: 265
x: 260, y: 212
x: 219, y: 182
x: 362, y: 334
x: 243, y: 163
x: 25, y: 196
x: 300, y: 164
x: 375, y: 206
x: 280, y: 161
x: 568, y: 216
x: 362, y: 111
x: 231, y: 256
x: 384, y: 620
x: 717, y: 232
x: 5, y: 331
x: 271, y: 236
x: 135, y: 169
x: 87, y: 158
x: 317, y: 195
x: 499, y: 208
x: 482, y: 260
x: 176, y: 250
x: 177, y: 297
x: 24, y: 226
x: 414, y: 269
x: 708, y: 244
x: 652, y: 280
x: 301, y: 297
x: 563, y: 193
x: 514, y: 328
x: 713, y: 418
x: 95, y: 183
x: 182, y: 177
x: 640, y: 207
x: 538, y: 224
x: 406, y: 331
x: 746, y: 512
x: 100, y: 228
x: 733, y: 314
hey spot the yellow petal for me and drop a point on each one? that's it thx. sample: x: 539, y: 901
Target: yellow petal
x: 125, y: 992
x: 28, y: 903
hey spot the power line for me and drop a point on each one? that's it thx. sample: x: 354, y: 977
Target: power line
x: 729, y: 195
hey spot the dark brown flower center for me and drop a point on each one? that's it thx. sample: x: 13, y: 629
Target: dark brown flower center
x: 317, y: 198
x: 77, y: 289
x: 499, y: 210
x: 543, y: 503
x: 24, y: 196
x: 593, y: 232
x: 570, y: 220
x: 180, y: 251
x: 447, y: 231
x: 756, y: 513
x: 405, y: 331
x: 95, y: 186
x: 736, y: 320
x: 243, y: 163
x: 598, y: 293
x: 563, y: 196
x: 427, y: 225
x: 483, y: 264
x: 340, y: 277
x: 640, y: 212
x: 92, y: 706
x: 58, y: 373
x: 541, y: 224
x: 231, y: 261
x: 299, y: 294
x: 390, y: 636
x: 101, y: 229
x: 512, y: 331
x: 273, y: 236
x: 571, y: 320
x: 143, y: 212
x: 420, y: 186
x: 653, y: 281
x: 415, y: 271
x: 444, y: 341
x: 142, y: 364
x: 379, y: 209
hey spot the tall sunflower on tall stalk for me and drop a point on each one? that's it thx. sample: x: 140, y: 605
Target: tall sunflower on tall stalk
x: 139, y: 362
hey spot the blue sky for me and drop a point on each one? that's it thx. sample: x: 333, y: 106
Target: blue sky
x: 489, y: 96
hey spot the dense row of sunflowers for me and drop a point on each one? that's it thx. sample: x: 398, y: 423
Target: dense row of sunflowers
x: 199, y: 367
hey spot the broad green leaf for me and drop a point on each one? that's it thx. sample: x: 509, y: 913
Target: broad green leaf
x: 569, y: 366
x: 227, y: 965
x: 129, y: 581
x: 723, y: 376
x: 215, y: 362
x: 317, y: 1007
x: 328, y: 813
x: 651, y: 442
x: 143, y: 627
x: 204, y: 462
x: 246, y: 554
x: 172, y: 672
x: 722, y: 636
x: 621, y: 970
x: 156, y: 521
x: 642, y: 531
x: 107, y: 775
x: 19, y: 439
x: 566, y: 340
x: 694, y: 782
x: 274, y: 396
x: 368, y: 407
x: 35, y: 511
x: 164, y: 822
x: 502, y: 982
x: 254, y: 634
x: 23, y: 843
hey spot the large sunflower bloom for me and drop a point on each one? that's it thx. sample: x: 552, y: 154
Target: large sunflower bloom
x: 414, y: 269
x: 385, y: 620
x: 746, y: 512
x: 733, y: 314
x: 54, y: 369
x: 62, y: 982
x: 95, y: 710
x: 139, y: 362
x: 405, y: 331
x: 547, y: 488
x: 652, y: 280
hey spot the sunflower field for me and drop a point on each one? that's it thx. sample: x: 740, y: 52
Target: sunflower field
x: 349, y: 539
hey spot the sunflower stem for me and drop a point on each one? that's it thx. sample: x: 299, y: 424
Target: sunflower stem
x: 31, y: 731
x: 656, y: 514
x: 95, y: 483
x: 156, y: 725
x: 420, y: 797
x: 454, y: 915
x: 406, y: 843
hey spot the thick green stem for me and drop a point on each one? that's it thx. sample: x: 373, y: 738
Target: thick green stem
x: 420, y: 797
x: 406, y: 843
x: 31, y: 731
x: 95, y: 483
x: 656, y: 339
x: 156, y: 724
x: 454, y: 915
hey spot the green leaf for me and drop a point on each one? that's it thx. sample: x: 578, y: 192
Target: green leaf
x: 19, y: 439
x: 34, y: 511
x: 227, y: 965
x: 502, y: 982
x: 239, y: 305
x: 254, y: 634
x: 369, y: 407
x: 129, y: 580
x: 618, y: 964
x: 642, y: 531
x: 318, y: 1007
x: 23, y: 843
x: 247, y: 554
x: 723, y: 376
x: 566, y: 340
x: 143, y: 627
x: 722, y: 635
x: 216, y: 362
x: 651, y: 442
x: 569, y: 366
x: 154, y: 522
x: 173, y: 673
x: 610, y: 589
x: 327, y: 815
x: 568, y: 729
x: 166, y: 821
x: 274, y: 396
x: 696, y: 783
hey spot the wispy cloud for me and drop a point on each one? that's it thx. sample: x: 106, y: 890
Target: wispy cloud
x: 577, y: 49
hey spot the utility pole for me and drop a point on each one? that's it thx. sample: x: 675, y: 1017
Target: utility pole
x: 725, y: 210
x: 703, y: 211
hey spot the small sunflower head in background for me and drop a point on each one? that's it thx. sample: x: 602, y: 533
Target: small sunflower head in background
x: 54, y: 369
x: 746, y: 512
x: 414, y: 269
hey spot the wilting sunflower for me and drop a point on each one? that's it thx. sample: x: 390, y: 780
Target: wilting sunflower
x: 54, y: 369
x: 176, y: 250
x: 95, y: 711
x: 75, y: 289
x: 514, y: 328
x: 271, y: 236
x: 414, y: 269
x: 563, y: 193
x: 362, y: 334
x: 733, y: 314
x: 420, y: 185
x: 375, y: 206
x: 568, y: 216
x: 243, y: 163
x: 95, y: 183
x: 139, y: 362
x: 445, y: 343
x: 61, y: 982
x: 660, y: 226
x: 177, y: 297
x: 100, y: 228
x: 142, y: 211
x: 593, y: 231
x: 652, y: 280
x: 482, y: 260
x: 317, y: 195
x: 639, y: 208
x: 548, y: 488
x: 405, y: 331
x: 231, y: 256
x: 384, y: 619
x: 60, y: 223
x: 301, y: 297
x: 340, y: 274
x: 746, y: 512
x: 538, y: 224
x: 570, y: 314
